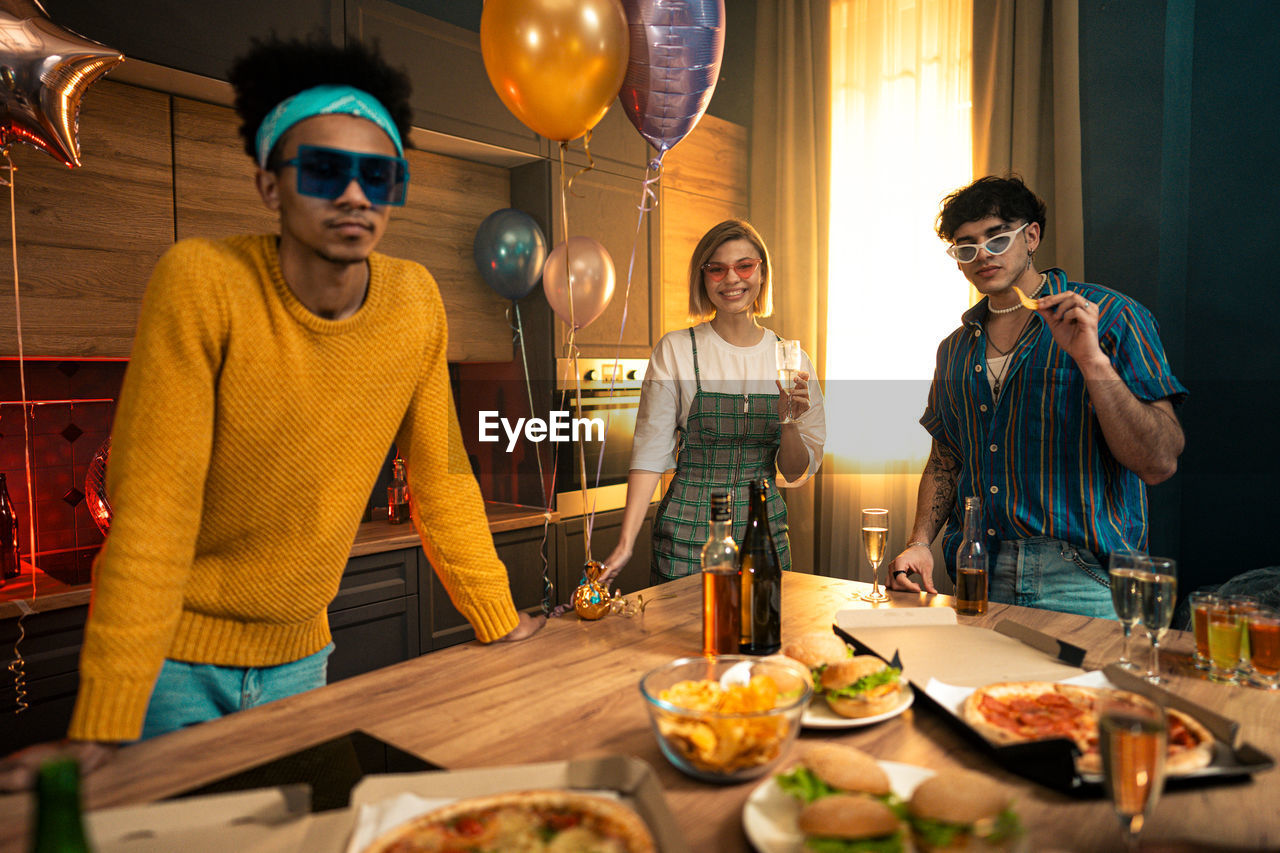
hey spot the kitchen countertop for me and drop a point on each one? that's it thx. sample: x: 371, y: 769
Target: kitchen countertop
x: 373, y: 537
x: 571, y: 692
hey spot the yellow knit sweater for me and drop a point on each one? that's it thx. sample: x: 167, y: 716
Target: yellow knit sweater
x: 246, y: 442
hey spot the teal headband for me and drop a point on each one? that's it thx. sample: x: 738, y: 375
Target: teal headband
x: 322, y: 100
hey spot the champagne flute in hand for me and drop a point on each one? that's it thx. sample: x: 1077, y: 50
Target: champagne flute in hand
x: 1133, y: 736
x: 788, y: 361
x: 1157, y: 591
x: 1124, y: 596
x: 875, y: 535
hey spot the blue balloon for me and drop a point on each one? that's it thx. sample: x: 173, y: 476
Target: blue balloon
x: 676, y: 48
x: 510, y: 250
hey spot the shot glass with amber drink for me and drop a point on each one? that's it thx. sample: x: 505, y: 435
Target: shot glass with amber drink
x: 1200, y: 604
x: 1263, y: 630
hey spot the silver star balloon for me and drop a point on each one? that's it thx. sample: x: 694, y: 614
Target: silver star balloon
x: 44, y: 71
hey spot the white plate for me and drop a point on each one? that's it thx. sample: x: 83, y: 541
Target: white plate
x: 769, y: 815
x: 820, y: 716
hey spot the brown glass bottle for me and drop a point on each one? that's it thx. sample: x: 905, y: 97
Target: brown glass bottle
x: 721, y: 584
x: 398, y: 494
x: 761, y: 579
x: 10, y: 563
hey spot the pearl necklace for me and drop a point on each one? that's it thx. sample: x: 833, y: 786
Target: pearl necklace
x: 1044, y: 278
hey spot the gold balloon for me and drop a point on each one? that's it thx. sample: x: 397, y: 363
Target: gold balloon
x: 591, y: 599
x: 556, y: 64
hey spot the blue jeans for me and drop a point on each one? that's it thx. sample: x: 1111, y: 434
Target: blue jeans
x: 1052, y: 575
x: 190, y: 693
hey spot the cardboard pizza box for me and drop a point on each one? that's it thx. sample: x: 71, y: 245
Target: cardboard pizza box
x: 277, y: 820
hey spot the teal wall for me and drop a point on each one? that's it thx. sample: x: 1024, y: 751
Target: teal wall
x: 1180, y: 106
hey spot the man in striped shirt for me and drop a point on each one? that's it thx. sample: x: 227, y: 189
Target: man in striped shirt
x: 1057, y: 418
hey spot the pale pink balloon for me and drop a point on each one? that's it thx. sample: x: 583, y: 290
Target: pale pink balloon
x: 591, y: 274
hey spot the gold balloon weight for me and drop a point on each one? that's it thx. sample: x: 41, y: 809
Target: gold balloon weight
x: 591, y: 598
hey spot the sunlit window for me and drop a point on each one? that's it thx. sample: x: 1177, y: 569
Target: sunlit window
x: 900, y: 141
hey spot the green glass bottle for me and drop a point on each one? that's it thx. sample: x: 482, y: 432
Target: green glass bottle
x: 59, y: 826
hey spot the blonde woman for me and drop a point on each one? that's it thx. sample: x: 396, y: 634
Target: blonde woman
x: 711, y: 407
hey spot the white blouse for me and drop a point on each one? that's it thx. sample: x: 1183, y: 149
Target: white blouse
x: 669, y: 388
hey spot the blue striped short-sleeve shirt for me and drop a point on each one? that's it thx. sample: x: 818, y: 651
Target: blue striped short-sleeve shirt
x: 1036, y: 456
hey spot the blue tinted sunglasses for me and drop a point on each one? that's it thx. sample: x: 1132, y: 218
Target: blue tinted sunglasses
x: 327, y: 172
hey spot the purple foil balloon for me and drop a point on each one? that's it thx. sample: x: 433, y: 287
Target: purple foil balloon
x: 676, y: 48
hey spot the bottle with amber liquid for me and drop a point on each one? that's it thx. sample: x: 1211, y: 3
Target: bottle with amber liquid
x: 10, y: 566
x: 971, y: 563
x: 721, y: 586
x: 398, y: 494
x: 761, y: 579
x: 59, y: 823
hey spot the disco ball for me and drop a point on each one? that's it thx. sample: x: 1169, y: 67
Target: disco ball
x: 95, y: 488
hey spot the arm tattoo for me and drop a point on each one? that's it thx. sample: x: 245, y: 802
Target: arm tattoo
x: 943, y: 470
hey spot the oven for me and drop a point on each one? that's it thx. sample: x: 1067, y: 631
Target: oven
x: 610, y: 392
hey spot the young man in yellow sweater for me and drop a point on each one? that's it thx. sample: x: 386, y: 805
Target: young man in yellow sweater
x: 269, y: 376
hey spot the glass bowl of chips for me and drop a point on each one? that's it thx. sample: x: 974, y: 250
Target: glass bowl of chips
x: 726, y: 718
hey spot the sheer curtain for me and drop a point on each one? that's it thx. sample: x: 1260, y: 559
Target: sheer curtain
x: 900, y: 141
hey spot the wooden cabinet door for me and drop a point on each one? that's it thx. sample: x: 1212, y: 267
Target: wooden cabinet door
x: 51, y: 653
x: 452, y: 94
x: 373, y: 636
x: 89, y: 237
x: 604, y: 207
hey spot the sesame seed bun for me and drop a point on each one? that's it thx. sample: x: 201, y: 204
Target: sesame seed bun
x: 847, y: 769
x: 847, y: 816
x: 879, y: 700
x: 817, y: 648
x: 958, y: 796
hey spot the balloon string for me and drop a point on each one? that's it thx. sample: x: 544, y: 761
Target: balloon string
x: 17, y: 665
x: 591, y: 161
x: 548, y: 587
x: 571, y: 349
x: 648, y: 202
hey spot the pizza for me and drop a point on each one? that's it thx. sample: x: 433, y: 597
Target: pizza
x: 1022, y: 711
x: 547, y: 821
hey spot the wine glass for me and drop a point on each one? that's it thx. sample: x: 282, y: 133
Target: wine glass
x: 1124, y: 596
x: 875, y: 535
x: 1133, y: 736
x: 788, y: 360
x: 1157, y: 592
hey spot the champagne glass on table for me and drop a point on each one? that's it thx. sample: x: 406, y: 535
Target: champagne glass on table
x: 1124, y: 596
x: 1157, y: 592
x: 788, y: 360
x: 875, y: 535
x: 1133, y: 736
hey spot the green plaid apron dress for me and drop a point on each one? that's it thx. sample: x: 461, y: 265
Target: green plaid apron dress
x: 727, y: 441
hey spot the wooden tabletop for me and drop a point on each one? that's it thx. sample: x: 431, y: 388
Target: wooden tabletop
x: 571, y: 692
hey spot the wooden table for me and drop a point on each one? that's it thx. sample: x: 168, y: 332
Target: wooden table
x: 572, y: 692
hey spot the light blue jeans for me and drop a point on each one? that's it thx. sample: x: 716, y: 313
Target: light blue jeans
x: 190, y: 693
x: 1052, y: 575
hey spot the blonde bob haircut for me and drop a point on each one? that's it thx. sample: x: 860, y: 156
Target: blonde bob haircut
x: 700, y: 307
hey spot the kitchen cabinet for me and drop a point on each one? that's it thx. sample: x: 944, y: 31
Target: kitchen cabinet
x: 202, y: 38
x: 451, y: 90
x: 51, y: 651
x: 87, y: 238
x: 521, y: 552
x: 374, y: 617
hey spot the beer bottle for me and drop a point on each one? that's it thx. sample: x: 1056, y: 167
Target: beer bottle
x: 761, y: 579
x: 10, y: 566
x: 971, y: 563
x: 59, y: 825
x: 721, y: 587
x: 398, y: 494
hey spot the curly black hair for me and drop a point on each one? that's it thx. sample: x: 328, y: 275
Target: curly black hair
x: 274, y: 69
x: 1006, y: 197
